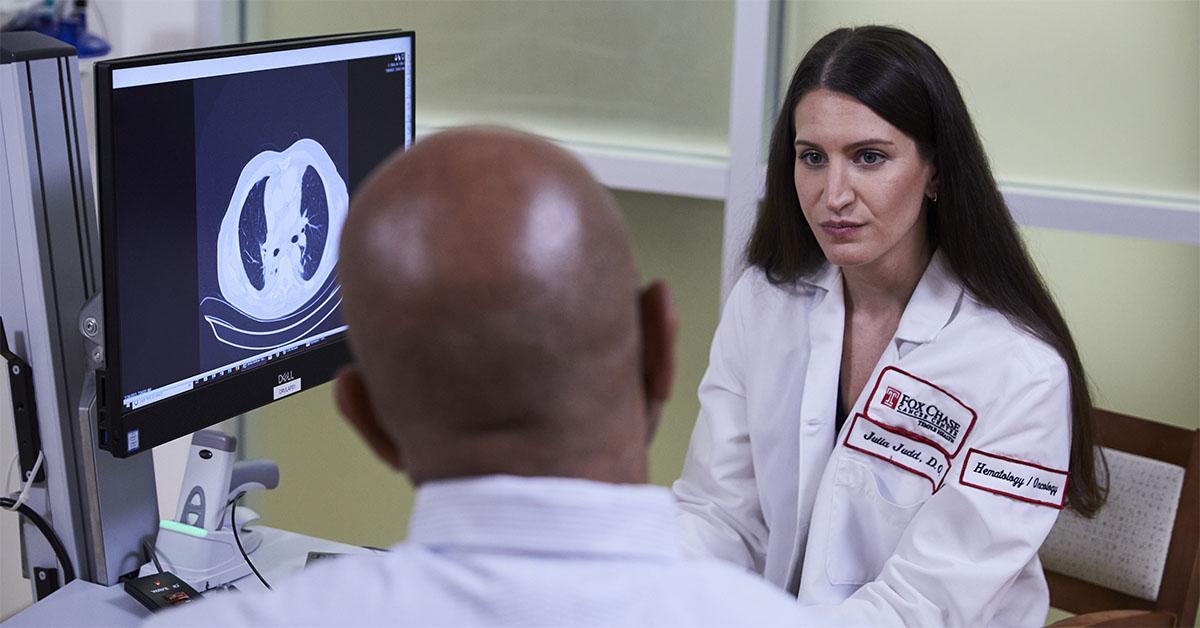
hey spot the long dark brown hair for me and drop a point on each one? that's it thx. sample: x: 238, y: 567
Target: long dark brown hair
x: 903, y: 81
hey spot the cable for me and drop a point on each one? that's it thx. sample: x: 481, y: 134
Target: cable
x: 47, y: 531
x: 28, y: 485
x: 233, y: 524
x: 153, y: 555
x: 8, y: 474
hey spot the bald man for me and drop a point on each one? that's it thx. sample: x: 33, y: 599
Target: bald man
x: 509, y: 363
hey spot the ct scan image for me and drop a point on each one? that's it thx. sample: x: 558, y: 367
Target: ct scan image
x: 271, y: 166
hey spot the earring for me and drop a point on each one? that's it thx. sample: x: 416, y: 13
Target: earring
x: 934, y: 199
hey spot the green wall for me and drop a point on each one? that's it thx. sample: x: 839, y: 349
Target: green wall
x: 1096, y: 94
x: 641, y: 74
x: 1134, y: 309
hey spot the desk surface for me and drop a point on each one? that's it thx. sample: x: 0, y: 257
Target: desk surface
x: 82, y: 603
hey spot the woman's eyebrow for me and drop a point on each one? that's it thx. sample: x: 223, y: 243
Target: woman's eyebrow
x: 874, y: 141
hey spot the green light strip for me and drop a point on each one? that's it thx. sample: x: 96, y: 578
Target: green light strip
x: 183, y: 528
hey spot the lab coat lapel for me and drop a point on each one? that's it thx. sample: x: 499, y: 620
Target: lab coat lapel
x: 932, y: 306
x: 826, y: 321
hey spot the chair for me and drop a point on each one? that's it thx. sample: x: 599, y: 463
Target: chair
x: 1135, y: 563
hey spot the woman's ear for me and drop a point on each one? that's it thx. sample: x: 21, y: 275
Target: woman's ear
x: 353, y: 401
x: 659, y: 323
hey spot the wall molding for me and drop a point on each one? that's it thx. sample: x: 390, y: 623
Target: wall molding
x: 657, y: 172
x: 1146, y: 216
x: 1149, y: 217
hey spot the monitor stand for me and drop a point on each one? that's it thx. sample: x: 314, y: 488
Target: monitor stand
x: 102, y: 508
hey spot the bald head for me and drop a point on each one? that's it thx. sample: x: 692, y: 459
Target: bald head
x: 494, y: 310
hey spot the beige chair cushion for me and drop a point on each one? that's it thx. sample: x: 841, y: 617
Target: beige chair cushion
x: 1124, y: 547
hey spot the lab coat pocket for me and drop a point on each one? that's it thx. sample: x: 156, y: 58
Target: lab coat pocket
x: 871, y: 507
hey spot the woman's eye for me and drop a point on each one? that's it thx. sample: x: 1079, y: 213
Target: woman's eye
x: 811, y: 158
x: 871, y: 158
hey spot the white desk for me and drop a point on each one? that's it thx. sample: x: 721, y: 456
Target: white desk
x: 82, y: 603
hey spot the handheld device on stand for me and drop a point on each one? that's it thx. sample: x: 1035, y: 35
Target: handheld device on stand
x: 205, y: 545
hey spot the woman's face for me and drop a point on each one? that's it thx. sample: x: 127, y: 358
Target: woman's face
x: 861, y: 183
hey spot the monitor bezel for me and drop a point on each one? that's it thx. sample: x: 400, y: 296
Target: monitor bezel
x: 184, y: 413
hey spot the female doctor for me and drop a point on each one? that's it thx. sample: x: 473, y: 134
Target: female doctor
x: 894, y: 411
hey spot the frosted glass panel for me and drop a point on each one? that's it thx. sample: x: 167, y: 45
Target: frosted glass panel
x: 1100, y: 94
x: 640, y: 74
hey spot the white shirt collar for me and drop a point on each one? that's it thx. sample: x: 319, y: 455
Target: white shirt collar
x: 546, y: 515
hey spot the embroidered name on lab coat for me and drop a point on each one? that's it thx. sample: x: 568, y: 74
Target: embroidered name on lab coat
x: 1017, y: 479
x: 907, y: 451
x: 921, y: 408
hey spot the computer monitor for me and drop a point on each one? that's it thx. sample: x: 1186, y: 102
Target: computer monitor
x: 224, y: 177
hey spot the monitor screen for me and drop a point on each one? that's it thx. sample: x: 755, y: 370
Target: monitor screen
x: 224, y: 178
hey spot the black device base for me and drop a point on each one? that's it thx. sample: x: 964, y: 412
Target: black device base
x: 45, y: 581
x: 161, y: 590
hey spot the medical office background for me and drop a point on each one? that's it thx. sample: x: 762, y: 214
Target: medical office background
x: 1089, y: 110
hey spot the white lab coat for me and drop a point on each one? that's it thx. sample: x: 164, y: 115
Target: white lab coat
x: 859, y: 528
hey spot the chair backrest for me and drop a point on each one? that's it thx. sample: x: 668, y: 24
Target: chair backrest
x: 1141, y: 551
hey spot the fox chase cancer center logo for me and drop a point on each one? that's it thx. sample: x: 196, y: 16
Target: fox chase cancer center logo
x: 928, y: 415
x: 891, y: 397
x: 921, y: 408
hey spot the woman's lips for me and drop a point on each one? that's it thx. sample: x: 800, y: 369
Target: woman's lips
x: 839, y: 229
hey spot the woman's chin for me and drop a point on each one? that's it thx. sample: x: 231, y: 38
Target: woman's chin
x: 844, y: 255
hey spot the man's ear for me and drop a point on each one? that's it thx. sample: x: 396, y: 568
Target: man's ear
x: 659, y: 326
x: 350, y: 392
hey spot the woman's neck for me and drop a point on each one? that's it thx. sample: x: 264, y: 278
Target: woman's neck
x: 882, y: 288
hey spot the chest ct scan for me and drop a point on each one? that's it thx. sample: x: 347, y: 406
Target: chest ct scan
x: 277, y: 246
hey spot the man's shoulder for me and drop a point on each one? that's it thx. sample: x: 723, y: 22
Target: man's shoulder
x: 414, y: 585
x: 328, y: 591
x: 721, y: 589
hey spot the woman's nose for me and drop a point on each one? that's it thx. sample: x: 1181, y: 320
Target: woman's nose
x: 839, y: 193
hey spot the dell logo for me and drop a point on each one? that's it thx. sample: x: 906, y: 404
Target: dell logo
x: 286, y: 377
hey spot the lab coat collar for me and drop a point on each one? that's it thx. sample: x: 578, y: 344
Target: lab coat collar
x: 826, y: 278
x: 933, y: 303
